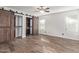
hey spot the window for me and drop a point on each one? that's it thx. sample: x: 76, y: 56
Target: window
x: 72, y: 25
x: 42, y: 25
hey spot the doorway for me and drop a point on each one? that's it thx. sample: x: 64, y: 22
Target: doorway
x: 28, y: 26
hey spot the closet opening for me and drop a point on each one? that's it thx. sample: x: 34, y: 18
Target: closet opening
x: 28, y: 26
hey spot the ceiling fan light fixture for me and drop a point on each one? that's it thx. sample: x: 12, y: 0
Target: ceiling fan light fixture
x: 41, y: 11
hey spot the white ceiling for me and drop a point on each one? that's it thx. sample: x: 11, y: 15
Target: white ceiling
x: 31, y: 9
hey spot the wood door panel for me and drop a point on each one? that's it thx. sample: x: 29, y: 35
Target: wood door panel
x: 12, y: 27
x: 35, y: 25
x: 4, y: 19
x: 6, y: 25
x: 1, y: 34
x: 4, y: 34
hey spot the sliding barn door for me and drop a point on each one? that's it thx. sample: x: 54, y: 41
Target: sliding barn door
x: 6, y: 26
x: 35, y: 25
x: 12, y: 26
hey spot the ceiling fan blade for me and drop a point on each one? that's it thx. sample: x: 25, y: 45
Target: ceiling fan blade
x: 39, y: 8
x: 47, y: 11
x: 47, y: 8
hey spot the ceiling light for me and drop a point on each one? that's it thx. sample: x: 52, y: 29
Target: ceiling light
x: 41, y: 11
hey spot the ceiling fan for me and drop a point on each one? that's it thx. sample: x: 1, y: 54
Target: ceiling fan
x: 42, y: 9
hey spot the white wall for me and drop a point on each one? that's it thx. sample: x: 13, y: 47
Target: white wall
x: 56, y: 24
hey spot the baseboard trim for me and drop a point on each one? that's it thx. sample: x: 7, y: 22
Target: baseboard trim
x: 60, y: 37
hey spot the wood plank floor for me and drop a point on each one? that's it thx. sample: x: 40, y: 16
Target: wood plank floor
x: 45, y: 44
